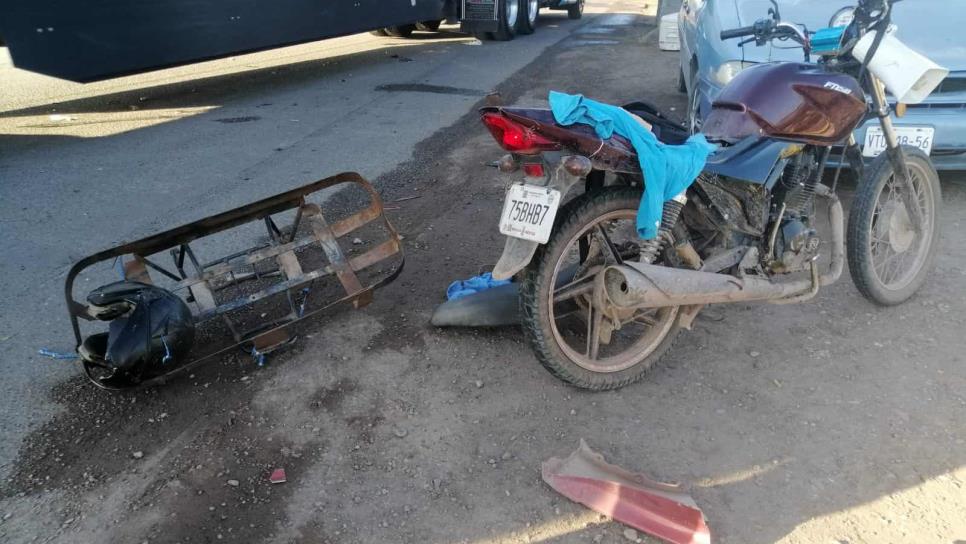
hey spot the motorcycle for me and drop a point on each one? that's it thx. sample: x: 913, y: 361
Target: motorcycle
x: 600, y: 306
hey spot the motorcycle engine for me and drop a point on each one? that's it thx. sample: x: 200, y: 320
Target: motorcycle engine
x: 795, y: 247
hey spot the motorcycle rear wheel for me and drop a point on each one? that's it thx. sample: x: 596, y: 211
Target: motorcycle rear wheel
x: 567, y: 332
x: 888, y: 261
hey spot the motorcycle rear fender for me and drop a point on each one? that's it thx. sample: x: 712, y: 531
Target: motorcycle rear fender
x: 517, y: 253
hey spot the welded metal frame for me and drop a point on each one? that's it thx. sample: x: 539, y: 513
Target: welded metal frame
x: 197, y: 282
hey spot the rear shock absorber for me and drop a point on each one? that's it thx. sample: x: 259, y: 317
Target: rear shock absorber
x: 650, y: 249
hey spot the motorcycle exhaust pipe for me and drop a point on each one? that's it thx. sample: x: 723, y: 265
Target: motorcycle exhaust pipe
x: 641, y: 285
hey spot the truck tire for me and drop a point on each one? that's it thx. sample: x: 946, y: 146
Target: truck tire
x: 401, y: 31
x: 428, y: 26
x: 527, y: 20
x: 508, y: 16
x: 576, y: 11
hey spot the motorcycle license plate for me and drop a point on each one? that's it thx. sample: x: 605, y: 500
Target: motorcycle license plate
x: 528, y: 212
x: 920, y: 137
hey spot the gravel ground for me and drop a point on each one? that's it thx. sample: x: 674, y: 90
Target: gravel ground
x: 832, y: 421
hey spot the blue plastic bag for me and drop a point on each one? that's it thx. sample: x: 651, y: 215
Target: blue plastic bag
x: 476, y: 284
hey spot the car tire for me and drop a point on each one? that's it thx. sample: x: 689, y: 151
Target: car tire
x: 527, y: 19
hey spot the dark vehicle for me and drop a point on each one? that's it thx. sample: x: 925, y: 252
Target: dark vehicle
x: 88, y: 41
x: 599, y: 305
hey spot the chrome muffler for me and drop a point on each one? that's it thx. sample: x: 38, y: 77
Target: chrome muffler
x: 641, y: 285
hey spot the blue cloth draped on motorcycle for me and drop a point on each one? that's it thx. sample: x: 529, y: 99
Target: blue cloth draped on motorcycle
x: 668, y: 169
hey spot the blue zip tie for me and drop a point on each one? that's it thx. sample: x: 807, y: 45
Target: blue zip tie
x: 167, y: 352
x: 56, y: 354
x: 305, y: 298
x: 119, y: 267
x: 258, y: 356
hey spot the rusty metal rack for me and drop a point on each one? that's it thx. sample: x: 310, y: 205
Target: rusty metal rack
x: 288, y: 271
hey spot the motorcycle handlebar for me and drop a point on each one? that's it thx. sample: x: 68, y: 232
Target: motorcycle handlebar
x: 738, y: 32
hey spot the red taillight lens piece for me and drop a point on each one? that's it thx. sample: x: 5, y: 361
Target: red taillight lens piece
x: 533, y: 170
x: 515, y: 137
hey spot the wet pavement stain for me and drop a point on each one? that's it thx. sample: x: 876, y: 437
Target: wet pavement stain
x: 230, y: 120
x: 581, y: 43
x: 423, y: 88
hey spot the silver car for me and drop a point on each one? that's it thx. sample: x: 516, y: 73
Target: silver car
x: 934, y: 28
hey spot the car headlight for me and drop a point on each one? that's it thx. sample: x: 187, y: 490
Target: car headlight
x: 728, y: 70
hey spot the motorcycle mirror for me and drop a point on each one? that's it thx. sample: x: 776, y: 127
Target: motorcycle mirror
x: 773, y: 11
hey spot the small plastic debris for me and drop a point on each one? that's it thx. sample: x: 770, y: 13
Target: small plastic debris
x: 630, y: 534
x: 476, y: 284
x: 258, y: 357
x: 56, y: 354
x: 656, y: 508
x: 479, y: 384
x: 278, y: 476
x: 137, y: 454
x: 233, y: 483
x: 357, y: 241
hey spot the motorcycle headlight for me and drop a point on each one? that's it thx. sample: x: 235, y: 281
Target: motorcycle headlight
x: 728, y: 70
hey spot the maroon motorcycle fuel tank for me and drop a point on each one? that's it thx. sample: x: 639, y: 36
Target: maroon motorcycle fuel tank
x: 787, y: 100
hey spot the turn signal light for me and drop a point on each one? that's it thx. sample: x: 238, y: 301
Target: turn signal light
x: 515, y: 137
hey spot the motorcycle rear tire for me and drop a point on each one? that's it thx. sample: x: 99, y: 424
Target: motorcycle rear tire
x: 538, y: 281
x: 866, y: 210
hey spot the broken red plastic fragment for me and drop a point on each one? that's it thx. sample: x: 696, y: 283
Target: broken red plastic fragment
x: 278, y: 476
x: 660, y: 509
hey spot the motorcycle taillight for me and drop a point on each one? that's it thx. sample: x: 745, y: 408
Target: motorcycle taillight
x: 517, y: 138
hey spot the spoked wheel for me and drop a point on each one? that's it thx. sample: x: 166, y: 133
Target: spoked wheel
x: 575, y: 338
x: 888, y: 259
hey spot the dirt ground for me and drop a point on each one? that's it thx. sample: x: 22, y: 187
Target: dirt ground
x: 830, y: 422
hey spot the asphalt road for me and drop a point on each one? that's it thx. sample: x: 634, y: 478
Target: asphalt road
x: 84, y: 167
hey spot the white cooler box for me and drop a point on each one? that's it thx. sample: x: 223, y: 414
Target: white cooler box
x: 667, y: 34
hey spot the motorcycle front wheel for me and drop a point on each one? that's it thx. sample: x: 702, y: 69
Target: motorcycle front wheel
x: 570, y: 336
x: 888, y: 259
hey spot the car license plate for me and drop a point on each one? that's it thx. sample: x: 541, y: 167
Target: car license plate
x: 528, y: 212
x: 920, y: 137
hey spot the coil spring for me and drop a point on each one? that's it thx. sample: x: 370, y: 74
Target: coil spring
x: 650, y: 249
